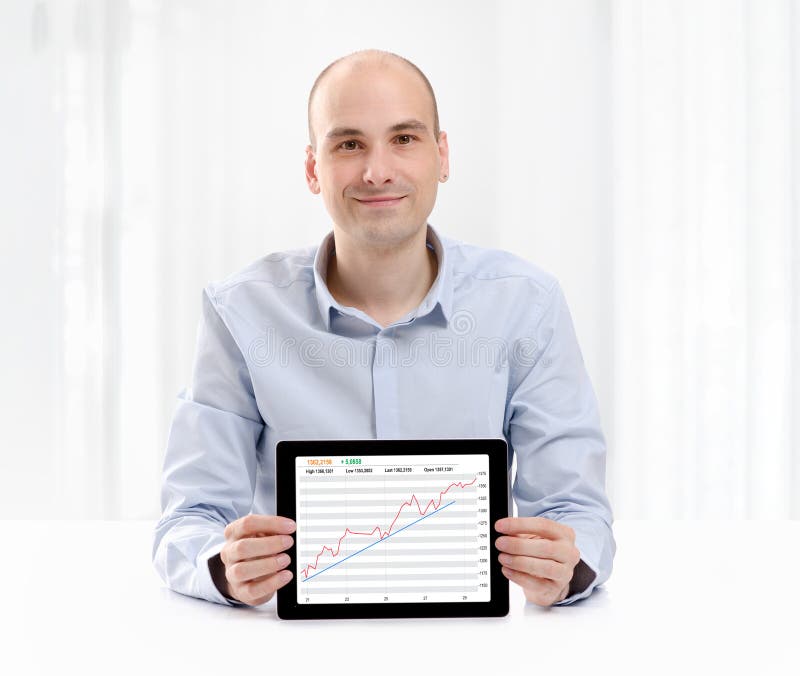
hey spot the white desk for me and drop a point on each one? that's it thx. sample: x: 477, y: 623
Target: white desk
x: 689, y: 597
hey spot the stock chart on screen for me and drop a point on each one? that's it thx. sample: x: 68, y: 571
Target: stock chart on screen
x: 392, y: 529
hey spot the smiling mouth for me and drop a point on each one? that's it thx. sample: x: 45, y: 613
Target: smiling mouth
x: 381, y: 202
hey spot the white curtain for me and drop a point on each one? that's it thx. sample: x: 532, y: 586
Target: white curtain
x: 646, y: 153
x: 706, y: 258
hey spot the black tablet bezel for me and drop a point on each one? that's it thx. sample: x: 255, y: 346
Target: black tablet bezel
x: 287, y: 451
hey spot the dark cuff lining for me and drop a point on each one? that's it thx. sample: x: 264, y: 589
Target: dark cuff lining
x: 582, y: 577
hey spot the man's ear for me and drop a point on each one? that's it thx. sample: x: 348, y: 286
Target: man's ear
x: 311, y: 170
x: 444, y: 155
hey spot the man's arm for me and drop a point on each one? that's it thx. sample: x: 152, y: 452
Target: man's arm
x: 210, y: 463
x: 554, y: 428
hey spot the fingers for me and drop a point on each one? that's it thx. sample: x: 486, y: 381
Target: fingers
x: 255, y: 547
x: 261, y: 590
x: 255, y: 580
x: 253, y: 556
x: 561, y: 551
x: 256, y: 569
x: 539, y: 591
x: 542, y: 568
x: 535, y: 525
x: 256, y: 524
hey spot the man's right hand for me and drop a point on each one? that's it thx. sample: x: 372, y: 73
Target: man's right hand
x: 252, y: 558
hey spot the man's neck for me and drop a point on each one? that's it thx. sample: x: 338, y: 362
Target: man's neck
x: 384, y: 282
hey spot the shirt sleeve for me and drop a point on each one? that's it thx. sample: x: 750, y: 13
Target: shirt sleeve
x: 554, y: 428
x: 209, y: 472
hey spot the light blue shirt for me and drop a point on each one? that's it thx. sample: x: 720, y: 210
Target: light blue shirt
x: 491, y: 351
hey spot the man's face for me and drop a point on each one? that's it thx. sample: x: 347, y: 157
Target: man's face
x: 363, y: 154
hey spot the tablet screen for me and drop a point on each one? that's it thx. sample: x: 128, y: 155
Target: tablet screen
x: 393, y: 528
x: 393, y: 523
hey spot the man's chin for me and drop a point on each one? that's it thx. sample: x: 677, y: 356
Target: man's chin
x: 389, y: 231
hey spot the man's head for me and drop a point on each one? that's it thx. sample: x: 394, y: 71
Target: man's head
x: 374, y: 132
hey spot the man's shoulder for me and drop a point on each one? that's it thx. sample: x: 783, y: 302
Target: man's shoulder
x: 276, y: 269
x: 485, y: 263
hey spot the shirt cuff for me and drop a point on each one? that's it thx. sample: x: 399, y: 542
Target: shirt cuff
x: 583, y: 582
x: 209, y: 589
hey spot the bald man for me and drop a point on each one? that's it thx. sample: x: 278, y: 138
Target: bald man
x: 387, y: 329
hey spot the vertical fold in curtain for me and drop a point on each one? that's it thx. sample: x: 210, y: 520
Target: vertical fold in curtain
x: 85, y: 42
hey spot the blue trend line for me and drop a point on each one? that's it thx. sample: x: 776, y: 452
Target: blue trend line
x: 378, y: 541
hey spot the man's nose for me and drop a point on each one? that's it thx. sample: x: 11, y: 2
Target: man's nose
x: 379, y: 166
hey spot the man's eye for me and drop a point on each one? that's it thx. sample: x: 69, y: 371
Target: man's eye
x: 344, y: 144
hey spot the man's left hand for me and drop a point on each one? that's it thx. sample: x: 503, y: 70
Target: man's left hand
x: 540, y: 555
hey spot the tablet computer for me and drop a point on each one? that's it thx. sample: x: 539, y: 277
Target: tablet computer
x: 393, y: 528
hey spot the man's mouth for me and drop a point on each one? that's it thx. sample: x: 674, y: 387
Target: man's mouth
x: 381, y: 201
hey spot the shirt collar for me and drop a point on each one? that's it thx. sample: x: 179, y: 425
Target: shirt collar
x: 440, y: 294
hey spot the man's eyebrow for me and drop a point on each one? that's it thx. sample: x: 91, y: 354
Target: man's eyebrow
x: 338, y: 132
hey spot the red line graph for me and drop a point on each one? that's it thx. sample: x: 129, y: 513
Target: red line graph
x: 407, y: 503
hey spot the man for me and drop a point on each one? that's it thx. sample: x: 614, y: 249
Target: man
x: 388, y: 329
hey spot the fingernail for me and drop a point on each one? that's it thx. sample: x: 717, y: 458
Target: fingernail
x: 286, y: 575
x: 283, y: 560
x: 287, y: 541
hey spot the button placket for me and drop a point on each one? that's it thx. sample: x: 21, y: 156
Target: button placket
x: 385, y: 385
